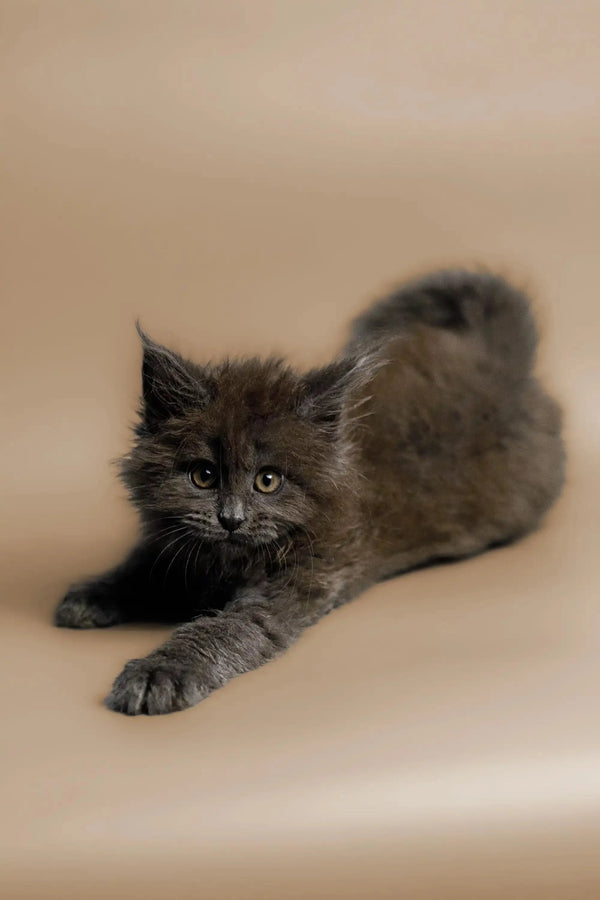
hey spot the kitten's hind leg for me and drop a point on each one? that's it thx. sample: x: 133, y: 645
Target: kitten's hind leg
x: 117, y: 596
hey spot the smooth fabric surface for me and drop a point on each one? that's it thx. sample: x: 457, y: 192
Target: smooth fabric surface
x: 244, y: 178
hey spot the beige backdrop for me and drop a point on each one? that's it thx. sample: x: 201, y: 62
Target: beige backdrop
x: 243, y: 176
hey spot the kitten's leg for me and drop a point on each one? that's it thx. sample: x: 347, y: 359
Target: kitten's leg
x: 116, y: 596
x: 204, y: 654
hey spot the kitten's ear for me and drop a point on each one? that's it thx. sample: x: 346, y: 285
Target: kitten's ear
x: 170, y: 384
x: 328, y: 395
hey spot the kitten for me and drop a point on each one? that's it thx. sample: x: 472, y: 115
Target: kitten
x: 268, y: 497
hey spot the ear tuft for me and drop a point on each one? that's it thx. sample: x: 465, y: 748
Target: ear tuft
x: 170, y: 384
x: 327, y: 394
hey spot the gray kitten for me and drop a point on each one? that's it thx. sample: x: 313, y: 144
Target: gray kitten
x: 268, y: 497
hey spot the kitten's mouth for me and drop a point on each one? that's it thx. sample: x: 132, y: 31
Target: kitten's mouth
x: 246, y: 541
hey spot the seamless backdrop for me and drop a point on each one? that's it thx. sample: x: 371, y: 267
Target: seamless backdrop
x: 243, y: 177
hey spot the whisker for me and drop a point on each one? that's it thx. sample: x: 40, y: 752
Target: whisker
x: 187, y: 562
x: 173, y: 558
x: 167, y: 547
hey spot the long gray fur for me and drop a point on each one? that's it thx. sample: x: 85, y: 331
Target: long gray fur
x: 429, y: 438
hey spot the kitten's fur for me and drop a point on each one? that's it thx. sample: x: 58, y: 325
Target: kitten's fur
x: 428, y: 438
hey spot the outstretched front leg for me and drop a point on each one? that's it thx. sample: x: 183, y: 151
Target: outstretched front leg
x: 124, y: 594
x: 204, y: 654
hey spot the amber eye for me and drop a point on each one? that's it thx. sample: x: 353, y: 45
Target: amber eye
x: 204, y: 474
x: 268, y: 481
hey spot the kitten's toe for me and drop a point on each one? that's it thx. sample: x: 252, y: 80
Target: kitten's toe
x: 80, y: 610
x: 154, y: 687
x: 129, y: 688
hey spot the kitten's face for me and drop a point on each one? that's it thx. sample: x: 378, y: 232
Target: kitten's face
x: 239, y: 455
x: 230, y: 475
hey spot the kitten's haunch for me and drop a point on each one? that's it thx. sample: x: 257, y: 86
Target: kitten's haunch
x: 268, y: 497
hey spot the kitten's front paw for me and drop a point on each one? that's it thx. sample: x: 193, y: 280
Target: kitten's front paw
x: 153, y: 687
x: 81, y: 609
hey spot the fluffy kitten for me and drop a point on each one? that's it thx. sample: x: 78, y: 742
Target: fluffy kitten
x: 268, y: 497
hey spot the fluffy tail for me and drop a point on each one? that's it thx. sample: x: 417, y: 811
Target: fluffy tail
x: 477, y: 304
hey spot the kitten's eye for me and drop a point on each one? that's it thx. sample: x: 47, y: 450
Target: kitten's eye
x: 204, y: 474
x: 268, y: 481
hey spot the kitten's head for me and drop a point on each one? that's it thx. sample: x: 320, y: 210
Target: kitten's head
x: 243, y: 453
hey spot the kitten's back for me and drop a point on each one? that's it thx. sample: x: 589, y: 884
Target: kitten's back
x: 459, y: 444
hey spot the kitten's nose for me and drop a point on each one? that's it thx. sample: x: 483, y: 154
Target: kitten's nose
x: 231, y: 522
x: 231, y: 515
